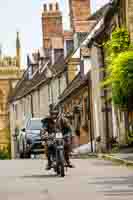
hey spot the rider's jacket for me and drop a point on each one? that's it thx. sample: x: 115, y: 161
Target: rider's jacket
x: 49, y: 126
x: 65, y: 126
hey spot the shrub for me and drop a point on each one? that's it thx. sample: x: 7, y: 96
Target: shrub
x: 120, y: 77
x: 4, y: 155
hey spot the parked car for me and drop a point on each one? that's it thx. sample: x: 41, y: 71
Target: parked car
x: 30, y: 139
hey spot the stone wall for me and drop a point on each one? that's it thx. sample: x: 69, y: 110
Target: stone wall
x: 4, y: 115
x: 98, y: 100
x: 36, y: 104
x: 44, y: 106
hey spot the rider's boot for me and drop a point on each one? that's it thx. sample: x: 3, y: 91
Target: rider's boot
x: 69, y: 164
x: 48, y: 166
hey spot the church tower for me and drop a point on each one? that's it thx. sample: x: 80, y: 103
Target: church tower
x: 18, y: 49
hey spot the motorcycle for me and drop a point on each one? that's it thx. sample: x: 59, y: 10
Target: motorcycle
x: 57, y: 158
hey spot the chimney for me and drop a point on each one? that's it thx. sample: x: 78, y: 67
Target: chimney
x: 57, y: 6
x: 79, y: 14
x: 50, y: 7
x: 52, y: 26
x: 45, y: 7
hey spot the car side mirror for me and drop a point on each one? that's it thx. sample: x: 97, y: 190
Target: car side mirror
x: 23, y: 129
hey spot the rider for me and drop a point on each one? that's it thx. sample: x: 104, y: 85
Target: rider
x: 60, y: 121
x: 65, y: 126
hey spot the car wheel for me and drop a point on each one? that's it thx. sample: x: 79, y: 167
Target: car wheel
x: 21, y: 155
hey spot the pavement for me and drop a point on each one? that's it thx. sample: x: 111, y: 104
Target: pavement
x: 126, y: 159
x: 125, y: 154
x: 93, y: 179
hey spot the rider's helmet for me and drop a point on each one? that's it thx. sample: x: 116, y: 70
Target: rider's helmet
x: 54, y: 112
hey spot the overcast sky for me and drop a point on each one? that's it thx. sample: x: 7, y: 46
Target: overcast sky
x: 25, y: 16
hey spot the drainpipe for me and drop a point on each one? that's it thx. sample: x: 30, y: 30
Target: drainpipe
x: 106, y: 104
x: 52, y: 95
x: 90, y: 118
x: 32, y: 110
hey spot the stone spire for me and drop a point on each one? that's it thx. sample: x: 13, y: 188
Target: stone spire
x: 18, y: 48
x: 0, y: 51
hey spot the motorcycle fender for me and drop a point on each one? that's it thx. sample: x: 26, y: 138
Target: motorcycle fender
x: 60, y: 156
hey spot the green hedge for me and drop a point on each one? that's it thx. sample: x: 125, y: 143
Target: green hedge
x: 4, y: 155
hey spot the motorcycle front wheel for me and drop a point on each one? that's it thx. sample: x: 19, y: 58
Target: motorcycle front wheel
x: 60, y: 170
x: 60, y: 164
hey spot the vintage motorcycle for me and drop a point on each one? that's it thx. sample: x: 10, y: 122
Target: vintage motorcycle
x: 56, y: 157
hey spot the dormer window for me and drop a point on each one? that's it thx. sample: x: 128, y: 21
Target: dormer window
x: 30, y: 71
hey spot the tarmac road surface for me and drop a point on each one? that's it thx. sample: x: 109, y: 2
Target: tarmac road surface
x: 91, y: 179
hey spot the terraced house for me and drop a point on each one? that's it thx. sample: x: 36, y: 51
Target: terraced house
x: 67, y: 72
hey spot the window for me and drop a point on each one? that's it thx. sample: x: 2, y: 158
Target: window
x: 69, y: 46
x: 16, y: 111
x: 59, y: 86
x: 1, y: 101
x: 87, y: 65
x: 49, y: 93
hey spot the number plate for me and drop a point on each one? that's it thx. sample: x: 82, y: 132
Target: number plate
x: 59, y: 135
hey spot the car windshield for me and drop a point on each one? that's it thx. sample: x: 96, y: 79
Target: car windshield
x: 34, y: 125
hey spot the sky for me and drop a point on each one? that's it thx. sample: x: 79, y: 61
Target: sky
x: 25, y: 16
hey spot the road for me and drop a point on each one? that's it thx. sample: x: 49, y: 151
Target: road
x: 91, y: 179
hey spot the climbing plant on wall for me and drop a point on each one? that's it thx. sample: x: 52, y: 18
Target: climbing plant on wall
x: 120, y: 67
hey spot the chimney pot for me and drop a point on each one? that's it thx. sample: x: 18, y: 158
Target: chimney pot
x: 50, y: 6
x: 57, y: 6
x: 45, y: 7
